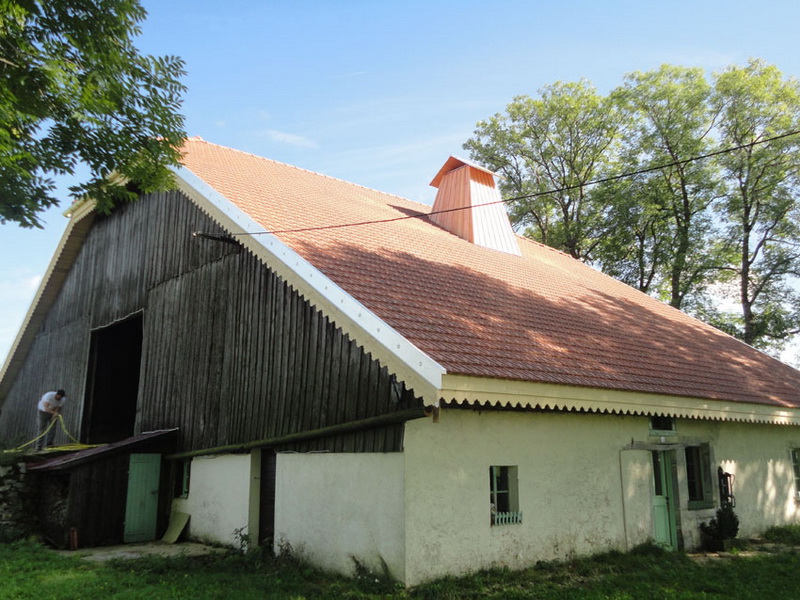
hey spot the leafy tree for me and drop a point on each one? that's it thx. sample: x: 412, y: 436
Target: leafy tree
x: 675, y: 227
x: 665, y: 210
x: 635, y: 248
x: 74, y: 89
x: 560, y: 141
x: 761, y: 205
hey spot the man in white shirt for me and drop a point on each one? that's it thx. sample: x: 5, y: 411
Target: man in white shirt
x: 49, y: 407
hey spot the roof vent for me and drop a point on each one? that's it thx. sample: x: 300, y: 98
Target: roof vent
x: 468, y: 205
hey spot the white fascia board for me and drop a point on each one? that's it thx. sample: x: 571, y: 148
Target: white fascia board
x: 484, y: 391
x: 397, y: 353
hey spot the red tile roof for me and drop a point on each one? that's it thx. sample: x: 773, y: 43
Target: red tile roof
x: 541, y: 317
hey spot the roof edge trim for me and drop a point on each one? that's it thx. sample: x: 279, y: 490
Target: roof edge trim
x: 485, y: 391
x: 385, y: 343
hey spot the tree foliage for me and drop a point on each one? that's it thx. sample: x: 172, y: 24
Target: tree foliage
x: 74, y: 89
x: 668, y: 120
x: 761, y: 207
x: 613, y: 181
x: 560, y: 141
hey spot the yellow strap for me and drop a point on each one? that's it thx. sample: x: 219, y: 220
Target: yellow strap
x: 60, y: 420
x: 38, y: 437
x: 64, y: 428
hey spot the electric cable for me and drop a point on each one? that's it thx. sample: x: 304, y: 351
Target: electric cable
x: 522, y: 197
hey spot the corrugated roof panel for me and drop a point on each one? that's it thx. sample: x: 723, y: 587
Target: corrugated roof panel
x: 74, y: 459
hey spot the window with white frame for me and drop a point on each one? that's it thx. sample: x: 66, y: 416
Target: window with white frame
x: 698, y: 476
x: 504, y: 495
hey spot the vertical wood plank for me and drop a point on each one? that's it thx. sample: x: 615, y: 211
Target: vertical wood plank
x: 230, y: 353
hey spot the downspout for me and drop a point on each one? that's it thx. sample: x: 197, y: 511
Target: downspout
x: 622, y: 501
x: 303, y: 436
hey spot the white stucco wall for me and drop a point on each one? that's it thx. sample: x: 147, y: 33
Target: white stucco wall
x: 219, y: 498
x: 569, y: 489
x: 331, y: 508
x: 759, y: 458
x: 585, y: 485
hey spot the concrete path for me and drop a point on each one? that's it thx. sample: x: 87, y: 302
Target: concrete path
x: 132, y: 551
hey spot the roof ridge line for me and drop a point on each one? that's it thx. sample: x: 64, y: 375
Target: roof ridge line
x: 304, y: 170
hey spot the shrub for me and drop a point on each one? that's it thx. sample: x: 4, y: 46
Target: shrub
x: 724, y: 526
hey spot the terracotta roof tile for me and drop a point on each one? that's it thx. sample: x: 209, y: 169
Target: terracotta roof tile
x: 541, y: 317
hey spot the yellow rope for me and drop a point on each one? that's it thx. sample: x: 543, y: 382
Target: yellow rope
x: 38, y: 437
x: 64, y: 428
x: 73, y: 447
x: 60, y: 419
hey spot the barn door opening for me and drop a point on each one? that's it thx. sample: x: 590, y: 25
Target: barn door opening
x: 112, y: 386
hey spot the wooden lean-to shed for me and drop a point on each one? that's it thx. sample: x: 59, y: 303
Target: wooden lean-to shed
x: 106, y: 495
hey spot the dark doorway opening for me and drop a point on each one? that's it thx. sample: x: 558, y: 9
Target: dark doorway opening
x: 266, y: 517
x: 112, y: 385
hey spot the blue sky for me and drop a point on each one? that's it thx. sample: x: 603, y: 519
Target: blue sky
x: 381, y: 92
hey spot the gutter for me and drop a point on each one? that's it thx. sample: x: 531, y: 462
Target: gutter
x: 303, y: 436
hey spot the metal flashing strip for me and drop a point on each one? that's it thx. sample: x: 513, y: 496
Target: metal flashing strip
x: 411, y: 364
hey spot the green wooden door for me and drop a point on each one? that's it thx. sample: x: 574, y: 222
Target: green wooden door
x: 141, y: 508
x: 665, y: 532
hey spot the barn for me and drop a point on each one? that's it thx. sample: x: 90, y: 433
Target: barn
x: 364, y: 379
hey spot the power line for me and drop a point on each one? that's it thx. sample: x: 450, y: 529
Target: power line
x: 534, y: 194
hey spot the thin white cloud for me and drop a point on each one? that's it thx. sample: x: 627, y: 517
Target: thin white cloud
x: 21, y: 289
x: 16, y: 294
x: 349, y: 75
x: 404, y: 169
x: 290, y: 139
x: 32, y: 283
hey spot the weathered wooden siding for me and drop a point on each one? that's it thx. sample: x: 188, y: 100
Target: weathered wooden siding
x: 231, y: 353
x: 97, y: 496
x: 57, y: 359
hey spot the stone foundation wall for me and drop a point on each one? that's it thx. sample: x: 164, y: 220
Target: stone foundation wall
x: 17, y: 503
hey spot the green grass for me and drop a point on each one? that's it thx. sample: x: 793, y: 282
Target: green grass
x: 28, y: 570
x: 788, y: 534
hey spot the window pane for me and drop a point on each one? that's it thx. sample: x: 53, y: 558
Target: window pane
x: 657, y: 474
x: 694, y: 474
x: 503, y: 492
